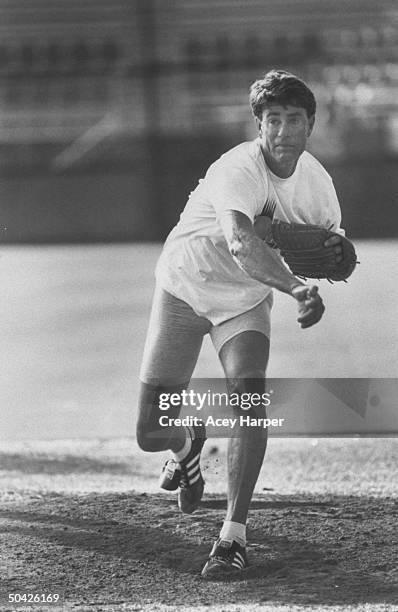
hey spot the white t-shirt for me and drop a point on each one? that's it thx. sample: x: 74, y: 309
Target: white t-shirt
x: 196, y: 265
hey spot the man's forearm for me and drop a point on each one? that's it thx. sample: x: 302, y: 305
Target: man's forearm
x: 261, y: 262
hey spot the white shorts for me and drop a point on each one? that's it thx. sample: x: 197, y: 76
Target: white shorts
x: 176, y: 332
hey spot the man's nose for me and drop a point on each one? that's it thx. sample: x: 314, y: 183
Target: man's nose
x: 284, y: 129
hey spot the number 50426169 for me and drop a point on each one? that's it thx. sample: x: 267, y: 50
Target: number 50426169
x: 34, y: 598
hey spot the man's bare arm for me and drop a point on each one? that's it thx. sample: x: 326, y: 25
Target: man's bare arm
x: 253, y: 255
x: 262, y: 263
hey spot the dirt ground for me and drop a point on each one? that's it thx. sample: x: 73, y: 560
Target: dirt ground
x: 85, y: 518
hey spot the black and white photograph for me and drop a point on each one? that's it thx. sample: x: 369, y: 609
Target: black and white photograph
x: 198, y: 263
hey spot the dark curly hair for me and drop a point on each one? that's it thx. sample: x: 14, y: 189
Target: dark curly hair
x: 281, y: 87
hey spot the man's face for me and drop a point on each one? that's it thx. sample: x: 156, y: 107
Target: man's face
x: 284, y: 131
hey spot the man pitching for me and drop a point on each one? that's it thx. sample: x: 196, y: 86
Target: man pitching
x: 215, y: 275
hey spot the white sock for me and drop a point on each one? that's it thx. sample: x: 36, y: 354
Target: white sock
x: 181, y: 454
x: 231, y: 531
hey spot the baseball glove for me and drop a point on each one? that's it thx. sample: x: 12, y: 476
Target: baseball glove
x: 302, y: 246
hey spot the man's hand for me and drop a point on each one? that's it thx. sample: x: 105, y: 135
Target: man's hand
x: 335, y: 241
x: 310, y: 305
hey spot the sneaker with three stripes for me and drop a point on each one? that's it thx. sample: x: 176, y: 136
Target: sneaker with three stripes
x: 170, y: 476
x: 191, y: 480
x: 186, y: 474
x: 227, y: 559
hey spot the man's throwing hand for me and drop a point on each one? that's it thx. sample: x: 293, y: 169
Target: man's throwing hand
x: 310, y: 305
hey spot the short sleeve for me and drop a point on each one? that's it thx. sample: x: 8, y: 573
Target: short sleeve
x: 235, y: 188
x: 334, y: 211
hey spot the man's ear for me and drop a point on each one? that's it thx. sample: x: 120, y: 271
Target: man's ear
x: 258, y: 124
x: 311, y: 122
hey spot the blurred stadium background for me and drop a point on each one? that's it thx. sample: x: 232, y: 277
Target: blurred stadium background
x: 110, y: 111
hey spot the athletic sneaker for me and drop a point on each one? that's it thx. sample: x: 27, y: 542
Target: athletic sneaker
x: 226, y: 559
x: 191, y: 480
x: 170, y: 476
x: 186, y: 474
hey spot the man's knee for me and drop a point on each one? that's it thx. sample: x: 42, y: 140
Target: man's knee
x: 249, y: 385
x: 151, y: 436
x: 150, y: 439
x: 246, y: 380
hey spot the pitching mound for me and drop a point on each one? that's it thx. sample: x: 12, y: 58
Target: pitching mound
x: 70, y: 524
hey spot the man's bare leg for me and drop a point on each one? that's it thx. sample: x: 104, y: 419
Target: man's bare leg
x: 244, y: 359
x: 245, y: 458
x: 150, y: 436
